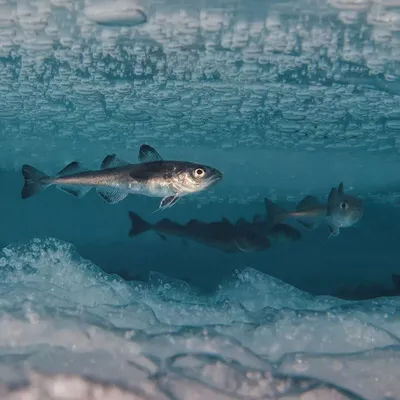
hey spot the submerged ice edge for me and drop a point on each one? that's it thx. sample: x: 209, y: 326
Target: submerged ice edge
x: 257, y: 337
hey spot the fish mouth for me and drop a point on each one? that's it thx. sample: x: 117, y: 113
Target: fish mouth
x: 217, y: 176
x: 356, y: 214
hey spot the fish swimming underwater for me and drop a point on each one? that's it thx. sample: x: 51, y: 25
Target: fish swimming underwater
x: 243, y: 236
x: 370, y: 291
x: 153, y: 177
x: 341, y: 211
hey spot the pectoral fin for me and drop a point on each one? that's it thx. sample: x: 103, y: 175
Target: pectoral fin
x: 167, y: 202
x: 334, y: 230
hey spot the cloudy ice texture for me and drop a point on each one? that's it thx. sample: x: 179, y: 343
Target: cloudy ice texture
x: 70, y: 331
x: 229, y: 82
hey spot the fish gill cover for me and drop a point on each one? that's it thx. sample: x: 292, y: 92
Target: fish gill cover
x: 285, y: 98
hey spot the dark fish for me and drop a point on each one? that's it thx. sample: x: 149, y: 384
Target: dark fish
x: 223, y: 235
x: 341, y: 211
x: 152, y: 177
x: 371, y: 291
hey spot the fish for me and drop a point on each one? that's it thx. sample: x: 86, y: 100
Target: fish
x: 152, y: 177
x: 370, y: 291
x: 242, y: 237
x: 341, y: 211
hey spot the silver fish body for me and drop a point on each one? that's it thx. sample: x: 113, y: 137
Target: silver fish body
x: 153, y: 177
x: 341, y: 211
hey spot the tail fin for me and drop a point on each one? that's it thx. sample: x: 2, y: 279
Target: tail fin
x: 275, y: 213
x: 139, y: 225
x: 35, y: 181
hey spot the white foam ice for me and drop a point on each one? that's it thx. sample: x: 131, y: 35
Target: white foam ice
x: 70, y: 331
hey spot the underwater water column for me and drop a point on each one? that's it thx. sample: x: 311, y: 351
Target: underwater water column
x: 200, y: 199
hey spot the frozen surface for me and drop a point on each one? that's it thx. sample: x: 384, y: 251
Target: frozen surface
x: 69, y: 331
x: 205, y: 78
x: 287, y: 98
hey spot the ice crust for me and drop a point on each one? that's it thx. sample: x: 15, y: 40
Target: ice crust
x: 85, y: 78
x: 69, y: 331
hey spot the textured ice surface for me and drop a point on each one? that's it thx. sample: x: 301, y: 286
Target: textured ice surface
x: 69, y: 331
x: 85, y: 78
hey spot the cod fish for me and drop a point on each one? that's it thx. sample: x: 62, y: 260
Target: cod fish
x: 242, y: 237
x: 341, y: 211
x: 153, y: 177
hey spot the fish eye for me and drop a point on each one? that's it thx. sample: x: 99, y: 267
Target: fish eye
x: 199, y: 172
x: 343, y: 205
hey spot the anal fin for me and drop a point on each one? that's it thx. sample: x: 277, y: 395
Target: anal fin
x: 111, y: 195
x: 74, y: 190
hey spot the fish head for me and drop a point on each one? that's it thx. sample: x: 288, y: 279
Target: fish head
x: 191, y: 177
x: 343, y: 209
x: 349, y: 210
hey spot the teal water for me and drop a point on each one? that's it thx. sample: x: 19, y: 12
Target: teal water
x: 287, y: 99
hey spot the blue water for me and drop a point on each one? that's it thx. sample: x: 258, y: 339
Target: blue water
x: 287, y: 98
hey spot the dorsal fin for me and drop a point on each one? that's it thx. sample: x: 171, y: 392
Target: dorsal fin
x: 332, y: 198
x: 307, y: 203
x: 340, y: 189
x: 241, y: 221
x: 71, y: 168
x: 225, y: 221
x: 148, y: 154
x: 192, y: 222
x: 112, y: 161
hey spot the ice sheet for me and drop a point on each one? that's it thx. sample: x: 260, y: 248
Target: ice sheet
x: 65, y: 324
x: 204, y: 78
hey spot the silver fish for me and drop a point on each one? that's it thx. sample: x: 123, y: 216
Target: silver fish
x: 341, y: 211
x: 152, y: 177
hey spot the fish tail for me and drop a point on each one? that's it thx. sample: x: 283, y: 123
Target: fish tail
x: 139, y: 225
x: 275, y: 213
x: 35, y: 181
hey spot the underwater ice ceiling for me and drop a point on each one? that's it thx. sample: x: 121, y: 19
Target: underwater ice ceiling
x: 224, y: 74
